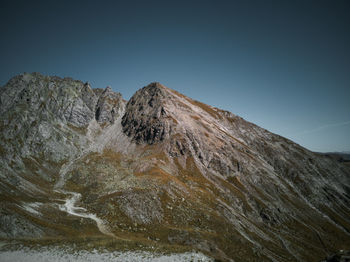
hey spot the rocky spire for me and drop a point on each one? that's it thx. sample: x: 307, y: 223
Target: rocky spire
x: 145, y: 118
x: 109, y: 106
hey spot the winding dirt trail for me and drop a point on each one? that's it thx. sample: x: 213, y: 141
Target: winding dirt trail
x: 97, y: 144
x: 70, y: 208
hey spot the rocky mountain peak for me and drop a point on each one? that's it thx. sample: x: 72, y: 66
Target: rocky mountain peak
x: 156, y: 85
x: 162, y: 167
x: 69, y: 100
x: 145, y: 118
x: 155, y: 93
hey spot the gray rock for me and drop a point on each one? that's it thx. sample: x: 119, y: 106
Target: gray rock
x: 145, y: 118
x: 109, y: 106
x: 14, y: 226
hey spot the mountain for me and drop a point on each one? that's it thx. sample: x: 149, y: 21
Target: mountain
x: 339, y: 156
x: 161, y: 172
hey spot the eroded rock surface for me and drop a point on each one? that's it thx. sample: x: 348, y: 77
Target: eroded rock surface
x: 145, y: 118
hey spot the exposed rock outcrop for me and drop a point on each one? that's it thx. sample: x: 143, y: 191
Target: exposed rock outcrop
x: 109, y: 106
x: 145, y: 118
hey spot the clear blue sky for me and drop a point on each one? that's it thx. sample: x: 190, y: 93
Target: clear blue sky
x: 284, y: 65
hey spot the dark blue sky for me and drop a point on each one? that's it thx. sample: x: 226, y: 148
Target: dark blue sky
x: 284, y: 65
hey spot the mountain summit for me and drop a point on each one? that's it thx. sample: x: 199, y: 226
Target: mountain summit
x: 161, y: 171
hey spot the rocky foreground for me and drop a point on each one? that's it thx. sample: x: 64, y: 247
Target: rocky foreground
x: 160, y: 173
x: 63, y: 254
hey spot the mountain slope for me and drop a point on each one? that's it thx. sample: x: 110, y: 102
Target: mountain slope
x: 165, y: 171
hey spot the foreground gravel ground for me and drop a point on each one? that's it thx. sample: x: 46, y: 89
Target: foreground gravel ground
x: 58, y: 254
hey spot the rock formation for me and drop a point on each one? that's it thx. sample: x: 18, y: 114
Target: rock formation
x: 165, y: 170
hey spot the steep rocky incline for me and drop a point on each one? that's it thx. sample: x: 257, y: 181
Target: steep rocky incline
x: 263, y: 178
x: 228, y: 146
x: 45, y: 123
x: 166, y: 171
x: 109, y: 106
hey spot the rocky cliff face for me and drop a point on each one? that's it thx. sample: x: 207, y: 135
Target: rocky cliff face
x: 165, y: 171
x: 145, y: 119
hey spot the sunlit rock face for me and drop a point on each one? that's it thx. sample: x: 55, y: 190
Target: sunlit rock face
x: 165, y: 171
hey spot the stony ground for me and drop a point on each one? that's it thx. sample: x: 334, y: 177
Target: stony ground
x: 65, y: 254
